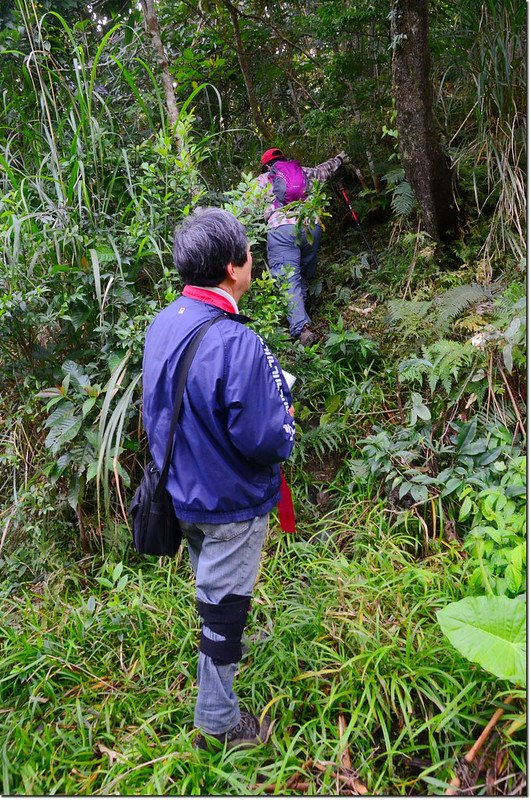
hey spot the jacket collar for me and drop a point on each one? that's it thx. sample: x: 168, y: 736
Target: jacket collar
x: 205, y: 295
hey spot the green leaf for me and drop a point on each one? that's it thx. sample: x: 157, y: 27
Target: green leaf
x: 423, y: 412
x: 56, y: 417
x: 73, y: 493
x: 489, y: 457
x: 494, y: 533
x: 64, y: 426
x: 76, y: 372
x: 116, y: 358
x: 334, y: 403
x: 53, y: 391
x: 491, y: 632
x: 516, y: 491
x: 79, y: 316
x: 451, y: 486
x: 473, y: 448
x: 513, y: 328
x: 92, y: 470
x: 465, y: 509
x: 513, y: 576
x: 507, y: 353
x: 418, y: 408
x: 467, y: 433
x: 88, y: 404
x: 404, y: 489
x: 70, y: 432
x: 419, y: 493
x: 105, y: 253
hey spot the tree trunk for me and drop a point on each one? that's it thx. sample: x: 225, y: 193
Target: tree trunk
x: 152, y: 27
x: 295, y: 104
x: 425, y: 165
x: 243, y: 61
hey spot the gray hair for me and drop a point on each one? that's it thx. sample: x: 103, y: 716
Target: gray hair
x: 205, y: 243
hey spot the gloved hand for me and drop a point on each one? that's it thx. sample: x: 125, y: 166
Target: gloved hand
x: 345, y: 158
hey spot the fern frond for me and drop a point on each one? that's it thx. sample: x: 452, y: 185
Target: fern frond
x: 508, y: 307
x: 455, y: 301
x: 394, y: 176
x: 412, y: 370
x: 471, y: 323
x: 493, y: 417
x: 403, y: 199
x: 408, y: 315
x: 322, y: 440
x: 448, y: 358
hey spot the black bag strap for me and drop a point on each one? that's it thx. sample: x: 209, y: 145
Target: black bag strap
x: 187, y: 359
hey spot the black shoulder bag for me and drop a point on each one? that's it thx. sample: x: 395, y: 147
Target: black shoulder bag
x: 156, y: 530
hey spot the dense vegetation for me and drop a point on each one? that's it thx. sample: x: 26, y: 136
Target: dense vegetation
x: 409, y: 471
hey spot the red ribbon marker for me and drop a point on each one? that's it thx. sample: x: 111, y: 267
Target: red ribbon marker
x: 286, y: 512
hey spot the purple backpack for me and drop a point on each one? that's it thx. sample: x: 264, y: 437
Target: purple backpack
x: 288, y: 181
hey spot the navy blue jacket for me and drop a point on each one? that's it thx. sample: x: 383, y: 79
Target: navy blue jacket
x: 234, y: 427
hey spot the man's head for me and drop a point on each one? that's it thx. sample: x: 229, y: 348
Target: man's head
x: 206, y: 243
x: 270, y: 156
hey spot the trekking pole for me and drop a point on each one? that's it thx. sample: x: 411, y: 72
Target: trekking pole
x: 358, y: 223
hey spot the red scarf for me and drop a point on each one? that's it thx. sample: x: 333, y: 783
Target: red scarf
x: 286, y: 512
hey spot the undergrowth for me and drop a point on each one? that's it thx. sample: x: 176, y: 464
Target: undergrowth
x: 98, y: 670
x: 408, y: 475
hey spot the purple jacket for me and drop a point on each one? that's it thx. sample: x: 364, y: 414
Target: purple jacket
x: 322, y: 172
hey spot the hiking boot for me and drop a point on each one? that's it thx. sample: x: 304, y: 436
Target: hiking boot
x: 308, y: 337
x: 247, y: 733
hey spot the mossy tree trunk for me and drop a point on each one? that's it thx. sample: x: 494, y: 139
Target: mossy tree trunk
x: 425, y: 165
x: 258, y: 119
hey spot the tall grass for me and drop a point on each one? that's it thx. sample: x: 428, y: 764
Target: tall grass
x: 491, y: 139
x: 93, y: 184
x: 98, y: 664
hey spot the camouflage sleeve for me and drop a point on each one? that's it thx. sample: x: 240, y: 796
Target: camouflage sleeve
x: 264, y: 183
x: 324, y: 171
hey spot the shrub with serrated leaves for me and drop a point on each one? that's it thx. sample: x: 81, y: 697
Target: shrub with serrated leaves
x: 418, y: 461
x: 497, y: 536
x: 348, y: 347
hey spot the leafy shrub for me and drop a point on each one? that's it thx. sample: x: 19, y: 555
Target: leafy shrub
x: 496, y: 540
x: 490, y: 631
x: 348, y: 347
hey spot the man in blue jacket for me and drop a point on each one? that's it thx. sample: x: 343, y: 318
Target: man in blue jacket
x: 236, y: 426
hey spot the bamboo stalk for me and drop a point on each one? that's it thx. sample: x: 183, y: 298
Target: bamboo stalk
x: 513, y: 401
x: 345, y: 755
x: 351, y: 780
x: 455, y: 783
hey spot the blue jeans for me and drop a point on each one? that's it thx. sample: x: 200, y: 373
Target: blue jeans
x: 292, y: 255
x: 225, y: 559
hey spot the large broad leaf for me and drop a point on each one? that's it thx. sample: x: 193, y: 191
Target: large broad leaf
x: 489, y: 631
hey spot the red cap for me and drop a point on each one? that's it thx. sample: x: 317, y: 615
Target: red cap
x: 270, y: 154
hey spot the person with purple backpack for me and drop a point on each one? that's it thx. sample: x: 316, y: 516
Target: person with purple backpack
x: 292, y: 249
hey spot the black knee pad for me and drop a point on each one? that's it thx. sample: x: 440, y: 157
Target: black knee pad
x: 226, y: 618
